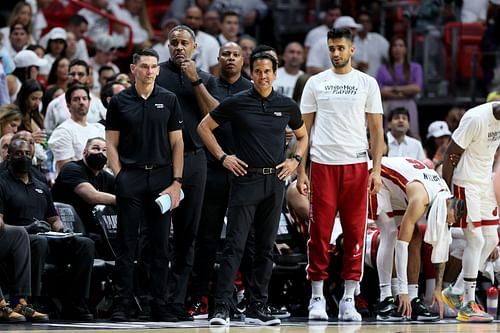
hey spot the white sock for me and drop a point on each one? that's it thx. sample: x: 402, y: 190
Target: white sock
x: 349, y: 288
x: 459, y: 286
x: 412, y: 291
x: 469, y: 291
x: 317, y: 288
x: 385, y: 291
x: 394, y: 287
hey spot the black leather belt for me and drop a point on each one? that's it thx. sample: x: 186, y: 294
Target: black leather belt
x: 193, y: 152
x: 144, y: 166
x: 262, y: 171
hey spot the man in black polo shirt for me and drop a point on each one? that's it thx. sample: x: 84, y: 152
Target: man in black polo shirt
x: 258, y: 118
x: 84, y: 184
x: 218, y: 183
x: 26, y: 201
x: 144, y: 142
x: 195, y: 90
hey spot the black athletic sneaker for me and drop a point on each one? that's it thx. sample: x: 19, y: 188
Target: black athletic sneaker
x: 258, y: 313
x: 278, y: 313
x: 160, y: 311
x: 221, y: 315
x: 387, y: 310
x: 420, y: 312
x: 180, y: 312
x: 120, y: 309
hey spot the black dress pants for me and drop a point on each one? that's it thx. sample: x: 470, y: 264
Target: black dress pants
x: 15, y: 258
x: 186, y: 219
x: 255, y: 202
x: 136, y: 191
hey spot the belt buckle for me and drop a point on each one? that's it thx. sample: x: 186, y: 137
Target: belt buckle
x: 148, y: 167
x: 267, y: 171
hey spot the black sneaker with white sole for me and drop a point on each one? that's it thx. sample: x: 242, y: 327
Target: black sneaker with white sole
x: 419, y: 311
x: 258, y: 313
x: 387, y: 310
x: 221, y: 315
x: 278, y: 313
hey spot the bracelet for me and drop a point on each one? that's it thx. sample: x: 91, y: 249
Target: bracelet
x: 197, y: 82
x: 222, y: 158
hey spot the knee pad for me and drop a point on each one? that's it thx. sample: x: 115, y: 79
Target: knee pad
x: 490, y: 236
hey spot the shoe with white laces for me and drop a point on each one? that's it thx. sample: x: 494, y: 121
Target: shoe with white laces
x: 317, y: 308
x: 347, y: 310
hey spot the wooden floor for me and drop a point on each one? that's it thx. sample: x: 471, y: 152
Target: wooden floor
x: 290, y: 326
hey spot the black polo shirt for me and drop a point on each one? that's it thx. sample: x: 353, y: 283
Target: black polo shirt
x: 21, y: 203
x: 144, y: 125
x: 73, y: 174
x: 258, y: 125
x: 173, y: 79
x: 223, y: 133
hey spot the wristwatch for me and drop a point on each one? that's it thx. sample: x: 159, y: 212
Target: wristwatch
x: 177, y: 179
x: 298, y: 158
x: 197, y: 82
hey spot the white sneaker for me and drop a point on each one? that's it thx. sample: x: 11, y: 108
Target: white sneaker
x: 347, y: 310
x: 317, y: 309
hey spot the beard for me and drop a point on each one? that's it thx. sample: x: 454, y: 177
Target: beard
x: 340, y: 64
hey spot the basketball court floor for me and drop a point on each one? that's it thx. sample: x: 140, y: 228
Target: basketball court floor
x: 292, y: 325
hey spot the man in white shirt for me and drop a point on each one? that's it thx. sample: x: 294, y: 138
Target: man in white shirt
x: 78, y: 25
x: 371, y: 47
x: 68, y: 140
x: 57, y: 111
x: 229, y: 26
x: 318, y: 34
x: 467, y: 168
x: 401, y: 144
x: 288, y: 74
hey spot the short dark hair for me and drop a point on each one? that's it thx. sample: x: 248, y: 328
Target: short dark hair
x: 340, y: 33
x: 182, y: 27
x: 69, y: 93
x: 397, y: 111
x: 105, y: 68
x: 80, y: 62
x: 229, y: 13
x: 77, y: 19
x: 146, y: 53
x: 263, y: 55
x: 14, y: 25
x: 89, y: 141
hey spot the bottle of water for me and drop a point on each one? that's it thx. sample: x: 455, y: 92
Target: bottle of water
x: 492, y: 301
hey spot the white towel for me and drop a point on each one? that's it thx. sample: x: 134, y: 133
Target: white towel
x: 437, y: 233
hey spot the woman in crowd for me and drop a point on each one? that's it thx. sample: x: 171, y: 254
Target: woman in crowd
x: 58, y: 75
x: 401, y: 81
x: 10, y: 119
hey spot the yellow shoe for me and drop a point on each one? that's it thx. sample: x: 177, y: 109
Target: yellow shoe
x: 471, y: 312
x: 27, y: 310
x: 7, y: 315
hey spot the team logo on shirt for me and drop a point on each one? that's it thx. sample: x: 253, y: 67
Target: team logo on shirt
x: 278, y: 114
x: 37, y: 190
x: 343, y: 89
x: 159, y: 105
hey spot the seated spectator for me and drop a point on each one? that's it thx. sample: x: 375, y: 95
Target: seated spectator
x: 57, y: 110
x: 401, y: 81
x: 104, y: 50
x: 58, y: 75
x: 400, y: 144
x: 287, y: 75
x: 15, y: 258
x: 25, y: 201
x: 21, y: 13
x: 371, y: 47
x: 56, y: 44
x: 4, y: 145
x: 19, y: 39
x: 109, y: 90
x: 28, y: 66
x: 10, y: 118
x: 438, y: 137
x: 68, y: 140
x: 248, y: 44
x: 229, y: 26
x: 84, y: 184
x: 77, y: 27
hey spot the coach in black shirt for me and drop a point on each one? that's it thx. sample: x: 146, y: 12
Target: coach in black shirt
x: 195, y: 90
x: 219, y: 178
x: 258, y: 118
x: 144, y: 148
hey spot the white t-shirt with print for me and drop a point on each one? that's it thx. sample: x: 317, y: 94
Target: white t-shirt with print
x: 340, y: 102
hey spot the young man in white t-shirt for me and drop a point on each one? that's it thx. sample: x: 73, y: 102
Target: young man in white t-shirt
x: 287, y: 75
x: 467, y: 166
x: 337, y: 104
